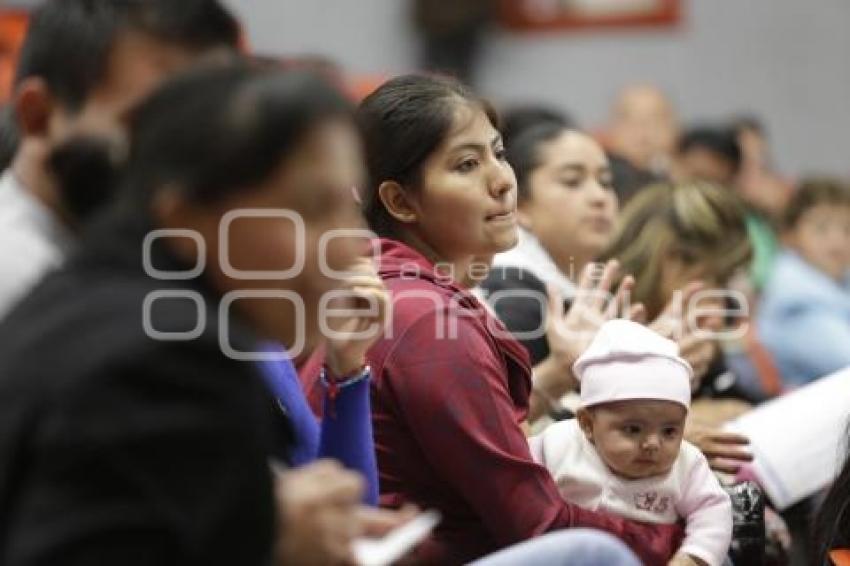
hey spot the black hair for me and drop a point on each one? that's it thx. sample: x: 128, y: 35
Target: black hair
x: 523, y: 153
x: 720, y: 140
x: 8, y: 136
x: 517, y: 119
x: 68, y: 42
x: 831, y: 525
x: 403, y: 122
x: 219, y: 130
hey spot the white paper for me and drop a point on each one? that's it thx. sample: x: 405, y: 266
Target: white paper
x: 798, y: 439
x: 385, y: 551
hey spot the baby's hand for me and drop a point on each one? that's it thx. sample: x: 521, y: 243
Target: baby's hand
x: 682, y: 559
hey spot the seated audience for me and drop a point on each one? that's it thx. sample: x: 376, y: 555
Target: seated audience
x: 133, y: 431
x: 804, y: 314
x: 451, y: 386
x: 624, y: 453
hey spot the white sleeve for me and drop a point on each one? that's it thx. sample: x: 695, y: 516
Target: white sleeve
x: 551, y: 447
x: 707, y: 510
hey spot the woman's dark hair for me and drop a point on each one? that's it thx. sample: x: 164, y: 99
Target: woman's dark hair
x: 523, y: 153
x: 219, y: 130
x: 8, y: 136
x: 68, y: 42
x: 517, y: 119
x: 722, y: 141
x: 831, y: 525
x: 403, y: 122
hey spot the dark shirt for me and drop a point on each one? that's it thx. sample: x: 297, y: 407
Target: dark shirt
x: 116, y: 448
x: 521, y: 315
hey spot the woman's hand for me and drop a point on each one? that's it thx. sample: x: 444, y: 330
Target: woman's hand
x: 724, y: 450
x: 570, y: 333
x: 696, y: 345
x: 361, y: 311
x: 317, y: 506
x: 321, y: 515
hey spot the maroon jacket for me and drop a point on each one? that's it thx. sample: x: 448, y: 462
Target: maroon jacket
x: 446, y: 413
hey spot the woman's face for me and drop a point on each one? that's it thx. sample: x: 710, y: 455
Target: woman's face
x: 572, y: 206
x: 466, y: 204
x: 309, y: 196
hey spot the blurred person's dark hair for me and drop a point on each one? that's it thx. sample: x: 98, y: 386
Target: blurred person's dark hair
x: 8, y: 136
x: 403, y: 122
x: 514, y: 120
x: 69, y: 41
x: 812, y: 192
x: 523, y: 153
x: 720, y: 141
x: 628, y: 179
x: 232, y: 138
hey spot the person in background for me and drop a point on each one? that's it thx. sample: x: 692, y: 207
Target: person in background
x: 758, y: 182
x: 640, y: 138
x: 566, y: 213
x: 766, y: 196
x: 83, y: 68
x: 804, y: 314
x: 679, y: 240
x: 132, y: 428
x: 452, y: 34
x: 447, y: 410
x: 708, y: 153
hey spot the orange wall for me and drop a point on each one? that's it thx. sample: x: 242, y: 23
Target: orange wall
x: 13, y: 24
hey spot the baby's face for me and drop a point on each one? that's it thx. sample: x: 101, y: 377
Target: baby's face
x: 636, y: 439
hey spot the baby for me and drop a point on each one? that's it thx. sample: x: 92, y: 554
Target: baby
x: 624, y: 453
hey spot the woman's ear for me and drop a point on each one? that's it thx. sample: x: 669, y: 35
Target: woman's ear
x: 397, y: 202
x: 33, y: 107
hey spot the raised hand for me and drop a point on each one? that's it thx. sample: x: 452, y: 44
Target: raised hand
x: 361, y: 310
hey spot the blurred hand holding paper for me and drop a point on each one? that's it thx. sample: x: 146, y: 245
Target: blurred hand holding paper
x: 386, y: 550
x: 798, y: 439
